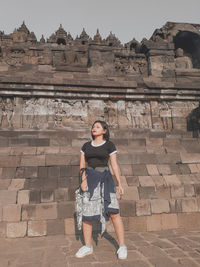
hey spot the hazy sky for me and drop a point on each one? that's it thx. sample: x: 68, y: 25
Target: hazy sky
x: 127, y: 19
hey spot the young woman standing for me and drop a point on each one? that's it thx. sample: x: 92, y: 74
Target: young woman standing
x: 100, y: 201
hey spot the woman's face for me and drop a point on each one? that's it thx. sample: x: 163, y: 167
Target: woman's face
x: 97, y: 129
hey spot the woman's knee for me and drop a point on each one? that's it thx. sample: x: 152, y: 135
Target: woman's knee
x: 113, y: 215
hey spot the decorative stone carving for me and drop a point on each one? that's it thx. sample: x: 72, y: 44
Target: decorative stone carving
x: 6, y: 112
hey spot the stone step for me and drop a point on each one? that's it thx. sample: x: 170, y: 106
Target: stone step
x: 141, y: 215
x: 148, y: 168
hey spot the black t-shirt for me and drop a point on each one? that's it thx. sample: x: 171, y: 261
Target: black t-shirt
x: 98, y: 155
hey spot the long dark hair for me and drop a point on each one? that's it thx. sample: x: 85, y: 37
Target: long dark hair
x: 104, y: 125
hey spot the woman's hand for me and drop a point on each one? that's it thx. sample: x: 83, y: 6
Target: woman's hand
x: 120, y: 189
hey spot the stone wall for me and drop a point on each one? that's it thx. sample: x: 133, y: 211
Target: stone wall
x: 48, y: 113
x: 53, y: 83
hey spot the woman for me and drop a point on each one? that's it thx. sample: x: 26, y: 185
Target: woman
x: 99, y: 197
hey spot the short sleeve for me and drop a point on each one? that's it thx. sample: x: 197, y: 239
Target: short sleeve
x: 112, y: 148
x: 83, y: 148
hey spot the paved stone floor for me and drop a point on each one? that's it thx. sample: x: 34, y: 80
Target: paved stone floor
x: 160, y: 249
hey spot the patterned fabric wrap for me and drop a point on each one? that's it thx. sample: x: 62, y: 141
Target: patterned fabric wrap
x: 96, y: 202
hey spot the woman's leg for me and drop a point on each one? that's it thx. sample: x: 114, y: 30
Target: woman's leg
x: 119, y: 226
x: 87, y: 232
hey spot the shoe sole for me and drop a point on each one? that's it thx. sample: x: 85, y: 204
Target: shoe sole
x: 88, y: 253
x: 122, y: 258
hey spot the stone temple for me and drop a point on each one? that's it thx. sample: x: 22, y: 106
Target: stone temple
x: 51, y: 91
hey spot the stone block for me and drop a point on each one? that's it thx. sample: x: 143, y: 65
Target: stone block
x: 190, y: 220
x: 39, y: 142
x: 4, y: 184
x: 177, y: 191
x: 163, y: 192
x: 190, y: 157
x: 175, y: 169
x: 43, y: 211
x: 16, y: 184
x: 146, y: 181
x: 49, y: 183
x: 158, y: 181
x: 152, y: 169
x: 184, y: 168
x: 186, y: 179
x: 56, y: 227
x: 168, y: 158
x: 47, y: 196
x: 124, y: 159
x: 65, y: 171
x: 16, y: 229
x: 175, y: 205
x: 12, y: 213
x: 1, y: 213
x: 172, y: 180
x: 37, y: 228
x: 132, y: 180
x: 189, y: 190
x: 137, y: 144
x: 69, y: 225
x: 9, y: 161
x: 66, y: 210
x: 164, y: 169
x: 139, y: 169
x: 3, y: 226
x: 42, y: 172
x: 189, y: 205
x: 8, y: 173
x: 130, y: 193
x: 31, y: 172
x: 144, y: 158
x: 137, y: 224
x: 147, y: 192
x: 193, y: 168
x: 127, y: 208
x: 23, y: 197
x: 37, y: 160
x: 61, y: 194
x: 48, y: 150
x: 23, y: 151
x: 53, y: 171
x: 58, y: 160
x: 154, y: 143
x: 8, y: 197
x: 154, y: 222
x: 160, y: 206
x: 143, y: 207
x: 169, y: 221
x: 34, y: 196
x: 126, y: 169
x: 197, y: 189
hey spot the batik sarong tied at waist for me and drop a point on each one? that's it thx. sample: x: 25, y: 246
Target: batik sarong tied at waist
x: 100, y: 198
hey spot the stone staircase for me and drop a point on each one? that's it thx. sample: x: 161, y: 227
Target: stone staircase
x: 160, y: 173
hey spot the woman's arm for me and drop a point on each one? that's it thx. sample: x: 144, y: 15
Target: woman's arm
x: 83, y: 165
x: 115, y: 167
x: 116, y: 171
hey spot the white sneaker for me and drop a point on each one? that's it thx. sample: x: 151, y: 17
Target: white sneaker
x: 83, y: 251
x: 122, y: 252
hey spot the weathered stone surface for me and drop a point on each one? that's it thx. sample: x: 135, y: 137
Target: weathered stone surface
x: 160, y: 206
x: 37, y: 228
x: 16, y: 229
x: 12, y: 213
